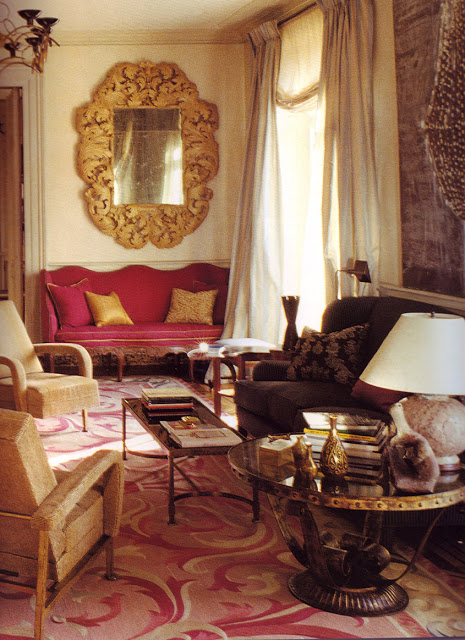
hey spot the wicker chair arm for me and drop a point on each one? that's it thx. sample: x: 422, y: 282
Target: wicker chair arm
x: 103, y: 467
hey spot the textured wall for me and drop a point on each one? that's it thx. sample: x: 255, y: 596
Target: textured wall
x: 432, y: 236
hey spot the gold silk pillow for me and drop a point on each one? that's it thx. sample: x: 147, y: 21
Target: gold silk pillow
x: 107, y: 310
x: 192, y: 308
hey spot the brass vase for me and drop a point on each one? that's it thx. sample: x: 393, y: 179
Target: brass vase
x: 303, y: 460
x: 333, y: 458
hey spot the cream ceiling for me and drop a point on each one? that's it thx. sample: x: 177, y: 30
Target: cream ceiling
x: 168, y: 20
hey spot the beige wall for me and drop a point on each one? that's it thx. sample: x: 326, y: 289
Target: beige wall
x: 72, y: 73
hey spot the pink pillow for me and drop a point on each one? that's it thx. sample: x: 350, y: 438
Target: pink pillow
x: 377, y: 397
x: 219, y: 309
x: 71, y: 304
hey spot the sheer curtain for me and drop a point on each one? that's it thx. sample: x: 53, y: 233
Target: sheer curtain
x: 300, y: 133
x: 254, y: 300
x: 350, y: 207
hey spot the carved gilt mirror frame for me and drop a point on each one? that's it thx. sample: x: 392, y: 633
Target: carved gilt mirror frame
x: 161, y: 86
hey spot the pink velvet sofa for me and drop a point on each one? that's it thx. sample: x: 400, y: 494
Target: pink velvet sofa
x: 145, y: 294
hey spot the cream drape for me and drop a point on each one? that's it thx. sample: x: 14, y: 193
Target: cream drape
x: 350, y: 207
x: 254, y: 300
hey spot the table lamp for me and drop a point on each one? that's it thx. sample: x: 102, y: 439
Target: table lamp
x: 424, y: 356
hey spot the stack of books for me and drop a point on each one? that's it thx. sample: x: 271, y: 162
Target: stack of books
x: 166, y: 402
x: 362, y: 438
x: 200, y: 434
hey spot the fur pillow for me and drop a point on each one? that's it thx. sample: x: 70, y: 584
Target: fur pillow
x: 330, y: 357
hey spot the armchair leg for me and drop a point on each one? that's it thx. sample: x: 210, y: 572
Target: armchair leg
x: 84, y: 419
x: 41, y: 587
x: 109, y: 557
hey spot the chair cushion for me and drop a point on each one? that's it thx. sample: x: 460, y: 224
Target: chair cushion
x: 189, y: 307
x: 53, y: 394
x: 333, y: 357
x: 71, y: 304
x: 107, y: 310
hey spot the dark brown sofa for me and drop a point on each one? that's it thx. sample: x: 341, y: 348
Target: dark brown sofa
x: 271, y: 404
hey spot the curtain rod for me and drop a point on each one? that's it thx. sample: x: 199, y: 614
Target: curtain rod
x: 298, y: 13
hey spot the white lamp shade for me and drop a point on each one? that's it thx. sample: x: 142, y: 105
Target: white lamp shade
x: 423, y: 353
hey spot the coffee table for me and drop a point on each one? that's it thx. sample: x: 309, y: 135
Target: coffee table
x: 175, y: 454
x: 341, y: 576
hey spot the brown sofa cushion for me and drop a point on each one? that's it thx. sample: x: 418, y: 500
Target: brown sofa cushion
x: 279, y: 401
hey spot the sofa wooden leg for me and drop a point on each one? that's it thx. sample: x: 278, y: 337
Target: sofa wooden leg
x: 120, y: 360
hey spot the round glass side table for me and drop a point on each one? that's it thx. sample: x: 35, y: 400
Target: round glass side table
x: 341, y: 578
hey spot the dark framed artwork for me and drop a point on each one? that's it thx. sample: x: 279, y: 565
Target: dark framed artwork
x: 433, y: 237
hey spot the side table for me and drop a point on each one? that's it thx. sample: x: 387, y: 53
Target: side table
x: 230, y: 357
x: 342, y: 576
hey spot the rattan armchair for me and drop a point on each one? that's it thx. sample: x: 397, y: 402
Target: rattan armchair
x: 52, y: 524
x: 25, y: 386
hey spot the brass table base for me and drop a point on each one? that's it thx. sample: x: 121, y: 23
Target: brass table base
x: 368, y: 601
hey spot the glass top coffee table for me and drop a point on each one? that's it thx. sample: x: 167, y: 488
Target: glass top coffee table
x: 175, y: 453
x: 342, y: 576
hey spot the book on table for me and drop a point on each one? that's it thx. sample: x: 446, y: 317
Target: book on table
x: 200, y: 434
x: 166, y: 401
x: 350, y: 428
x: 166, y: 394
x: 155, y: 416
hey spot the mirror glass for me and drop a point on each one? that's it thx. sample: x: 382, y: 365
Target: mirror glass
x: 147, y: 156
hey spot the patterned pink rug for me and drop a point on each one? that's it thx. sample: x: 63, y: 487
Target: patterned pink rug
x: 215, y: 575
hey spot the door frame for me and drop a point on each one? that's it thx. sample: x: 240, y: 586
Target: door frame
x: 31, y: 84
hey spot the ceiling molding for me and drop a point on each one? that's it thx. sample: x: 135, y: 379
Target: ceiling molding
x: 199, y: 36
x: 232, y: 34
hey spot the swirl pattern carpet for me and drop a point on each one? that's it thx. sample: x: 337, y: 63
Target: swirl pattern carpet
x: 215, y: 575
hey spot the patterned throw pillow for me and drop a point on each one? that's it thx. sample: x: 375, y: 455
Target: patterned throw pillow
x: 219, y: 308
x: 107, y: 310
x: 191, y: 308
x: 335, y: 357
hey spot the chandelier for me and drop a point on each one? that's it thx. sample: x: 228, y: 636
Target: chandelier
x: 28, y: 43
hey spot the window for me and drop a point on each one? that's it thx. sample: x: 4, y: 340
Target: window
x: 300, y: 149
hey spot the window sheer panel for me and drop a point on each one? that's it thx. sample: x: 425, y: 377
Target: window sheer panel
x: 300, y: 132
x: 299, y: 71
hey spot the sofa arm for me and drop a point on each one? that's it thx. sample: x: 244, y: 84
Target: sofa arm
x: 271, y: 370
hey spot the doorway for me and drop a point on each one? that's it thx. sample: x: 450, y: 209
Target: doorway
x: 12, y: 266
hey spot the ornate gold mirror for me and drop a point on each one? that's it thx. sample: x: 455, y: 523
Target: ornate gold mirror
x: 147, y: 151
